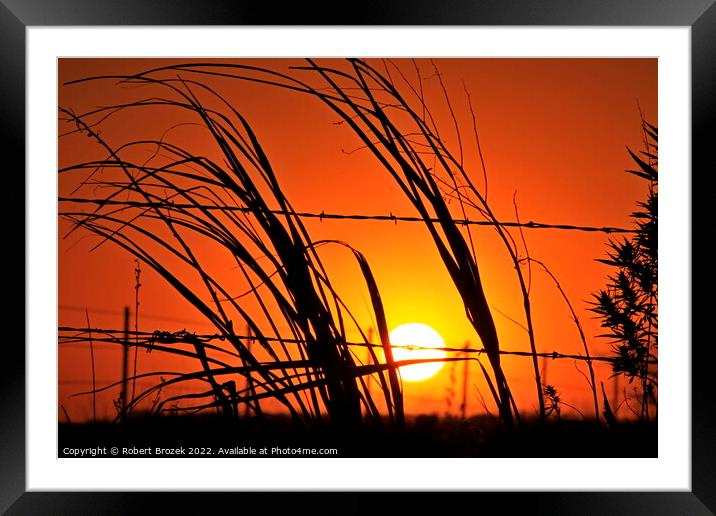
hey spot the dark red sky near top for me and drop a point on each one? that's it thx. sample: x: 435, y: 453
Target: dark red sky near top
x: 554, y: 134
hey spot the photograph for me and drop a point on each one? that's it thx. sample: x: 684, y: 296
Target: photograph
x: 357, y: 257
x: 316, y: 259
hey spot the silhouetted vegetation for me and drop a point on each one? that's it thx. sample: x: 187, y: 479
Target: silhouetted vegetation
x: 160, y: 211
x: 628, y: 306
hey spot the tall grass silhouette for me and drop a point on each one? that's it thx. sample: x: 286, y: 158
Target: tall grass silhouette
x: 406, y: 141
x: 155, y: 209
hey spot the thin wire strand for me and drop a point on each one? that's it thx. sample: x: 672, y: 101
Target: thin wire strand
x: 342, y: 216
x: 176, y: 338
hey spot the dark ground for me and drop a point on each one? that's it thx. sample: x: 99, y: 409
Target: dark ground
x: 424, y: 436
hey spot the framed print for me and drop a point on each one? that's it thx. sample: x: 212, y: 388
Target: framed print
x: 418, y: 250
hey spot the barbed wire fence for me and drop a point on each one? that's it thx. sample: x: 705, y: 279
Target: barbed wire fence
x: 70, y: 337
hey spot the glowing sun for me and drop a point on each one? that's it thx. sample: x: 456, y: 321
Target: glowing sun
x: 424, y: 337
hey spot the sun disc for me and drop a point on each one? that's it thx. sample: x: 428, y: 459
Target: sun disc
x: 425, y: 339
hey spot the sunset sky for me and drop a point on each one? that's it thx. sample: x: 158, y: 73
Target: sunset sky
x: 553, y: 133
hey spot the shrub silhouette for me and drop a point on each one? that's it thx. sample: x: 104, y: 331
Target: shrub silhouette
x: 627, y: 306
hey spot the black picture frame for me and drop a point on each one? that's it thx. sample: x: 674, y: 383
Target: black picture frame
x: 699, y: 15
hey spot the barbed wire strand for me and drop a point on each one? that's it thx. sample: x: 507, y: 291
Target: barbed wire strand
x: 342, y: 216
x: 176, y: 338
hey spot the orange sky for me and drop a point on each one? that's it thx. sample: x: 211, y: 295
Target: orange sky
x: 552, y: 130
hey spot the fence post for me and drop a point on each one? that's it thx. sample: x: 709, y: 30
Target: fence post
x: 465, y: 379
x: 249, y: 378
x: 125, y: 359
x: 368, y: 359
